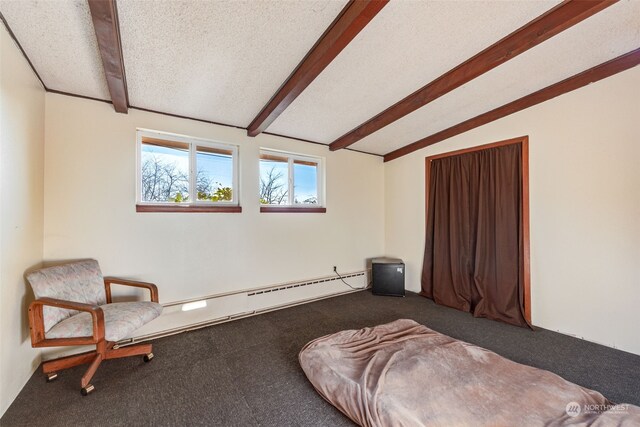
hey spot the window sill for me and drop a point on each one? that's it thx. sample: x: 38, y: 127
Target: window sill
x: 188, y: 209
x: 291, y: 209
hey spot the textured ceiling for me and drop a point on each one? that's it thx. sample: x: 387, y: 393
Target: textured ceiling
x: 408, y: 44
x: 216, y: 60
x: 604, y: 36
x: 222, y: 60
x: 58, y: 38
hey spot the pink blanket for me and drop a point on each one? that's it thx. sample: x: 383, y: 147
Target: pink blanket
x: 405, y: 374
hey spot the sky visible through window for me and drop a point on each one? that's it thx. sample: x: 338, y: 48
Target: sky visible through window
x: 305, y: 179
x: 306, y: 183
x: 219, y: 169
x: 221, y: 165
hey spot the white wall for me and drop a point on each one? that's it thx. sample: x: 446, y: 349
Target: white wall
x: 22, y: 105
x: 90, y: 209
x: 585, y: 208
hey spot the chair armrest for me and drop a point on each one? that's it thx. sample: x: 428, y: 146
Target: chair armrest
x: 153, y: 289
x: 36, y: 318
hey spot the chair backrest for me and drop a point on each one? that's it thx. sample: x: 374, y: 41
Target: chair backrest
x: 79, y: 281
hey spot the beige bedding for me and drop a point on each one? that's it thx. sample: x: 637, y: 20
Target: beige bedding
x: 405, y: 374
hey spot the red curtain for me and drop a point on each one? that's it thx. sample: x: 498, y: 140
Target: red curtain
x: 473, y: 258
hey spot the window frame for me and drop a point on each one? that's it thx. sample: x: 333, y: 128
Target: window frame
x: 194, y: 205
x: 291, y: 206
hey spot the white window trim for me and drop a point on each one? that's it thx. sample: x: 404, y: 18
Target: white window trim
x: 193, y: 142
x: 320, y: 179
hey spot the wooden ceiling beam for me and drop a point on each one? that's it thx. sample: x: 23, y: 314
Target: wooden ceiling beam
x: 554, y: 21
x: 104, y: 15
x: 607, y: 69
x: 351, y: 20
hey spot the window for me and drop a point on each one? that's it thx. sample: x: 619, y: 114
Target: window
x: 291, y: 181
x: 179, y: 173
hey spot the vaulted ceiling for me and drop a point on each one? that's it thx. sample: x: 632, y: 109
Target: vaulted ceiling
x: 332, y: 72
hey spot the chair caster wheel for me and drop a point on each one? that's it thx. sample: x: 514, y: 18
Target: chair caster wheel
x: 52, y: 376
x: 86, y: 390
x: 147, y: 357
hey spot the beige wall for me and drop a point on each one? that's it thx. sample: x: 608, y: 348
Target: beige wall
x: 585, y: 205
x: 90, y: 209
x: 585, y: 208
x: 21, y: 215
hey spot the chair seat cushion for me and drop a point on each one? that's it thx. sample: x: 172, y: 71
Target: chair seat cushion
x: 121, y: 319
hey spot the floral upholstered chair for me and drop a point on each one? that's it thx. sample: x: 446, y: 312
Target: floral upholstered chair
x: 73, y: 307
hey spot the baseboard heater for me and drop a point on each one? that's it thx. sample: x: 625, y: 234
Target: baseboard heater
x: 254, y: 292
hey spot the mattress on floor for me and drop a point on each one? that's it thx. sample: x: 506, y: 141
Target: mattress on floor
x: 405, y: 374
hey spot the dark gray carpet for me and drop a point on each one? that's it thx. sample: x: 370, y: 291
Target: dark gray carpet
x: 246, y: 372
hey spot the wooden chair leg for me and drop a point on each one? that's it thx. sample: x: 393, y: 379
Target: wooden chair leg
x: 86, y: 378
x: 134, y: 350
x: 68, y: 362
x: 104, y: 350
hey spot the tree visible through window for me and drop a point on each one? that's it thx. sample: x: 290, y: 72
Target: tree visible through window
x: 215, y: 173
x: 289, y: 179
x: 274, y: 180
x: 173, y: 168
x: 165, y: 171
